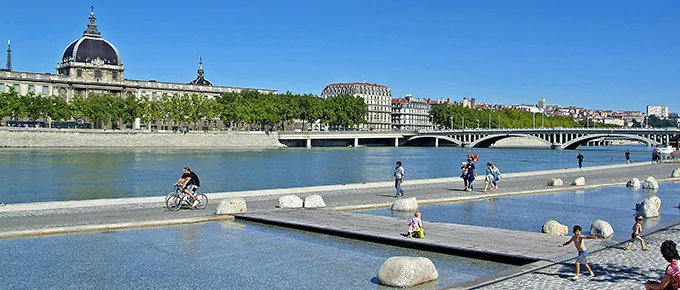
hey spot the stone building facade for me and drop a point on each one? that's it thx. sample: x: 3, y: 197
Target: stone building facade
x: 377, y: 97
x: 91, y: 65
x: 410, y: 114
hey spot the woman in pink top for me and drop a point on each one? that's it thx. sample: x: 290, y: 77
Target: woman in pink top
x: 671, y: 278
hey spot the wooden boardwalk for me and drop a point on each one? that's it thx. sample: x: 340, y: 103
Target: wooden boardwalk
x: 508, y: 246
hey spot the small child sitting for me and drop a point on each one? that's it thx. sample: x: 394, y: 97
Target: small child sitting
x: 415, y: 227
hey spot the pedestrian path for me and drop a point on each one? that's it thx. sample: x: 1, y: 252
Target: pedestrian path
x: 515, y: 247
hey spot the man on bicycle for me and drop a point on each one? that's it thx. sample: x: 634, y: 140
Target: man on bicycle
x: 189, y: 183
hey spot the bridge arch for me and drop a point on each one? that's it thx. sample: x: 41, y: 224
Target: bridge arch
x: 440, y: 137
x: 573, y: 144
x: 489, y: 140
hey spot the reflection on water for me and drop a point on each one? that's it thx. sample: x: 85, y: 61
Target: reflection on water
x: 616, y: 205
x: 230, y: 255
x: 70, y: 174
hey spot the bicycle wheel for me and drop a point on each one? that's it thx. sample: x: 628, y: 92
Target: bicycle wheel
x: 202, y: 201
x: 171, y: 194
x: 173, y: 203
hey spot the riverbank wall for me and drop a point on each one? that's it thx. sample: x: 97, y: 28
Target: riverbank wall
x: 56, y: 138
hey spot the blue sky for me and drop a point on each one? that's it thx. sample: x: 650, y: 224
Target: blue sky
x: 597, y: 54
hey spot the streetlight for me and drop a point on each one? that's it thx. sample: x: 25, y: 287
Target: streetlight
x: 489, y: 121
x: 534, y: 119
x: 542, y: 122
x: 477, y: 123
x: 463, y: 124
x: 451, y: 118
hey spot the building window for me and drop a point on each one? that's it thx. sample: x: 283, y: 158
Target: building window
x: 97, y: 74
x: 79, y: 73
x: 114, y: 75
x: 2, y: 88
x: 31, y: 89
x: 17, y: 88
x: 46, y: 90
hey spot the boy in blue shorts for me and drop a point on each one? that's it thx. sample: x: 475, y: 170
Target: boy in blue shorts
x: 582, y: 251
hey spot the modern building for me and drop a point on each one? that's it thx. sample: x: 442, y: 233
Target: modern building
x: 377, y: 97
x: 410, y: 114
x: 657, y: 110
x: 541, y: 104
x: 91, y: 65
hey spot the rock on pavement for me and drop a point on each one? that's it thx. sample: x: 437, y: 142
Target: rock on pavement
x: 405, y: 204
x: 633, y: 182
x: 314, y: 201
x: 601, y: 229
x: 675, y: 173
x: 290, y: 201
x: 555, y: 182
x: 650, y: 183
x: 552, y: 227
x: 231, y: 206
x: 407, y: 271
x: 579, y: 181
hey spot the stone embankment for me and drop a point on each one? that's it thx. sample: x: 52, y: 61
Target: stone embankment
x: 55, y: 138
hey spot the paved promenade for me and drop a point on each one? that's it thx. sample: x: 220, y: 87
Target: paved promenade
x: 611, y: 265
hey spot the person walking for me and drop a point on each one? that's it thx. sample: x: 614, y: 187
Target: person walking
x: 627, y: 157
x: 470, y: 175
x: 496, y: 176
x: 580, y: 160
x: 398, y: 179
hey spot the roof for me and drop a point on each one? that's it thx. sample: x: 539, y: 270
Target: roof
x: 357, y: 83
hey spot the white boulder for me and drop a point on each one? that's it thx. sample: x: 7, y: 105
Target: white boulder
x: 650, y: 183
x: 581, y: 181
x: 407, y: 271
x: 675, y: 173
x: 601, y: 229
x: 552, y: 227
x: 555, y: 182
x: 633, y: 183
x: 290, y: 201
x: 231, y: 206
x: 405, y: 204
x: 314, y: 201
x: 648, y: 207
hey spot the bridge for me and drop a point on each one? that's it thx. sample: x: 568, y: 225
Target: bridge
x: 556, y: 138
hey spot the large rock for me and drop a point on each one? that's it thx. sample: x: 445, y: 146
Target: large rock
x: 407, y: 271
x: 555, y: 182
x: 581, y: 181
x: 648, y: 207
x: 650, y: 183
x: 633, y: 183
x: 675, y: 173
x: 314, y: 201
x: 553, y: 227
x: 405, y: 204
x: 601, y: 229
x: 231, y: 206
x: 290, y: 201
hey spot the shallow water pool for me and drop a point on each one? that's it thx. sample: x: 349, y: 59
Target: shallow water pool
x: 226, y: 255
x: 615, y: 205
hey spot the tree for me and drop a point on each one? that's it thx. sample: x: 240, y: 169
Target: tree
x: 311, y: 109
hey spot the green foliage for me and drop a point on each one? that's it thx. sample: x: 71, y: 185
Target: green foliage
x: 656, y: 122
x: 462, y: 117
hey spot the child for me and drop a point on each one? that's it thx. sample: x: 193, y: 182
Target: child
x: 582, y: 251
x: 489, y: 178
x: 496, y: 176
x: 415, y: 226
x: 637, y: 229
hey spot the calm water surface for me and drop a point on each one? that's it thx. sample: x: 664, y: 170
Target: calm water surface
x: 75, y: 174
x: 228, y: 255
x: 616, y: 205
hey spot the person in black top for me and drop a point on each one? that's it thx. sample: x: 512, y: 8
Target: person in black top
x: 580, y: 160
x: 189, y: 183
x: 627, y: 156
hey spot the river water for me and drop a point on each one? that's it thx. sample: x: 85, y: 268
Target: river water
x: 33, y: 175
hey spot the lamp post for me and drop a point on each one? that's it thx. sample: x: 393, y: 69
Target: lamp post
x: 477, y: 123
x: 451, y: 118
x: 463, y: 124
x: 542, y: 121
x: 499, y: 122
x: 534, y: 119
x: 489, y: 121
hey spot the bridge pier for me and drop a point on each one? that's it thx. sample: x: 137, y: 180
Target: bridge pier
x: 356, y: 142
x: 396, y: 141
x: 436, y: 142
x: 556, y: 146
x: 309, y: 143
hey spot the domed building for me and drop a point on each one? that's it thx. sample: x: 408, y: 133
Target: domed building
x: 92, y: 66
x: 91, y: 57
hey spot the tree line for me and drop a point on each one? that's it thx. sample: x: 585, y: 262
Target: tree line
x: 244, y: 110
x: 459, y: 117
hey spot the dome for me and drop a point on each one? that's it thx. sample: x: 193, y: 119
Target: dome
x: 91, y: 48
x: 200, y: 78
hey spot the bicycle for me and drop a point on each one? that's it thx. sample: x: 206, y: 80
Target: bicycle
x: 177, y: 199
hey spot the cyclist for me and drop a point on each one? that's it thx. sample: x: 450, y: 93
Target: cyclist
x: 189, y: 183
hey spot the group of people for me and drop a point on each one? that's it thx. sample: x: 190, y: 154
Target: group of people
x: 669, y: 251
x: 469, y: 173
